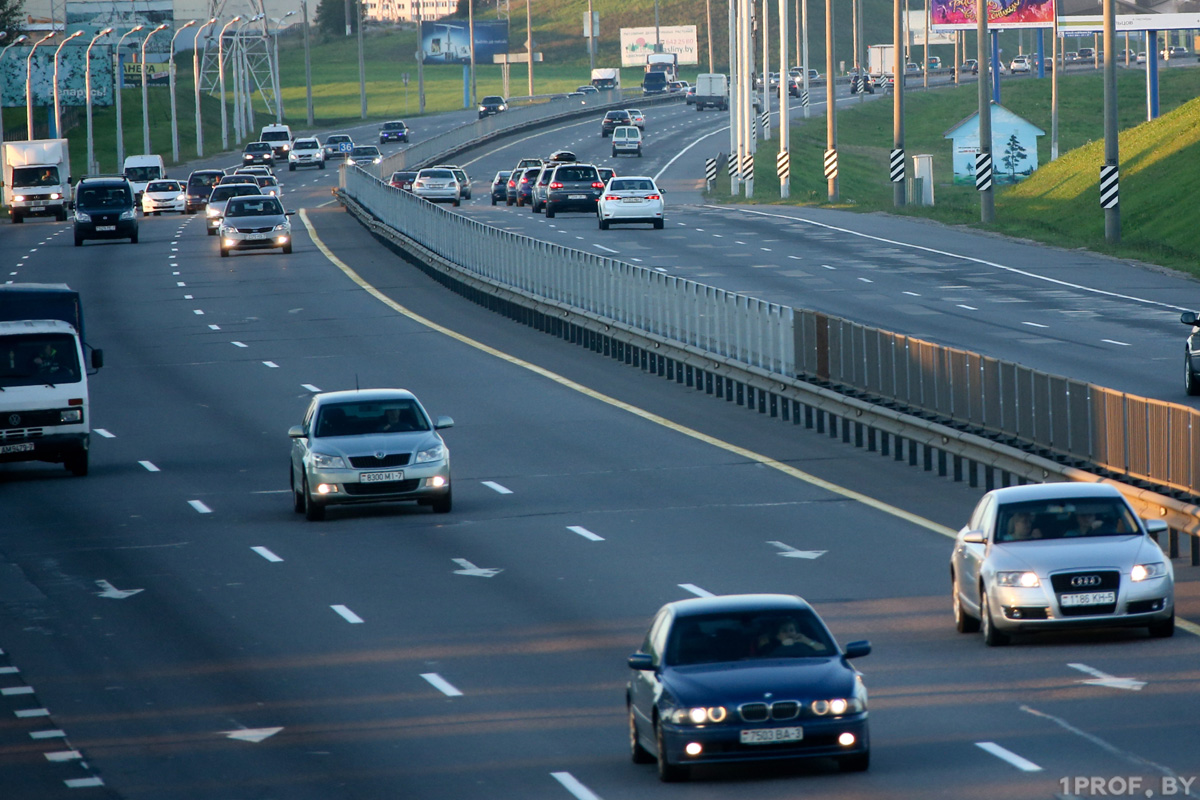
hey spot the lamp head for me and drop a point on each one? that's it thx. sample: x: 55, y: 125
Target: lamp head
x: 189, y: 24
x: 136, y: 28
x: 105, y: 32
x: 74, y: 35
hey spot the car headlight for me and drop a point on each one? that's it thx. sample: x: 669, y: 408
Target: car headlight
x: 699, y: 715
x: 1144, y: 572
x: 127, y: 214
x: 212, y: 211
x: 180, y: 198
x: 481, y: 108
x: 326, y: 461
x: 435, y: 453
x: 81, y: 216
x: 20, y: 198
x: 286, y: 226
x: 55, y: 196
x: 1025, y: 580
x: 837, y: 706
x: 71, y: 415
x: 247, y: 157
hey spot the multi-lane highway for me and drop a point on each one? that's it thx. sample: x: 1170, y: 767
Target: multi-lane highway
x: 392, y: 653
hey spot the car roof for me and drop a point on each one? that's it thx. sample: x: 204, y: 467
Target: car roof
x: 106, y: 181
x: 363, y: 395
x: 735, y: 603
x: 1063, y: 489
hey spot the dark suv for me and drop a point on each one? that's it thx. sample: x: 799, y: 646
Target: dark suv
x: 104, y: 209
x: 258, y: 153
x: 613, y: 120
x: 199, y: 187
x: 492, y: 104
x: 393, y: 132
x: 573, y: 187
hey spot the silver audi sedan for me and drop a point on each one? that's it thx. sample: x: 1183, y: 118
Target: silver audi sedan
x: 368, y: 446
x: 1059, y: 555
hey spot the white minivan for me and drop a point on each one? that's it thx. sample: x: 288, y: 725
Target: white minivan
x: 140, y: 170
x: 627, y: 139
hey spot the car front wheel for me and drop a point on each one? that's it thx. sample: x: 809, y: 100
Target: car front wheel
x: 963, y: 622
x: 1164, y: 629
x: 667, y: 772
x: 313, y: 512
x: 991, y: 636
x: 1190, y: 384
x: 639, y: 754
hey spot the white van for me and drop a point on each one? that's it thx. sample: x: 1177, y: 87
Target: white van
x: 627, y: 139
x: 280, y: 137
x: 140, y: 170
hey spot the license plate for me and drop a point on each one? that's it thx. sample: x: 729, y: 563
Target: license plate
x: 257, y: 236
x: 577, y: 197
x: 771, y: 735
x: 106, y: 227
x: 17, y: 448
x: 380, y: 477
x: 631, y: 199
x: 1087, y: 599
x: 39, y: 202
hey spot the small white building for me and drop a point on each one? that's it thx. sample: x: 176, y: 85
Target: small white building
x: 1014, y: 147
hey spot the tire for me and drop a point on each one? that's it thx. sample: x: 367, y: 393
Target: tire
x: 1164, y: 629
x: 456, y: 202
x: 667, y: 772
x: 549, y: 211
x: 313, y: 512
x: 493, y: 199
x: 614, y: 153
x: 134, y: 238
x: 658, y: 224
x: 79, y: 241
x: 520, y: 204
x: 442, y: 505
x: 507, y: 202
x: 963, y: 622
x: 61, y: 215
x: 859, y: 762
x: 991, y: 636
x: 297, y: 497
x: 77, y: 464
x: 287, y: 249
x: 224, y: 252
x: 637, y: 753
x: 1190, y: 384
x: 291, y: 167
x: 210, y: 231
x: 17, y: 218
x: 639, y: 153
x: 321, y: 165
x: 603, y: 223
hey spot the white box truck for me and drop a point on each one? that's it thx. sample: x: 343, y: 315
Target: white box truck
x: 37, y: 179
x: 606, y: 79
x: 45, y: 413
x: 881, y: 59
x: 663, y: 62
x: 712, y: 91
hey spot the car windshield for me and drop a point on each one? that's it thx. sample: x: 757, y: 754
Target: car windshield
x: 393, y: 126
x: 403, y: 176
x: 264, y: 206
x: 365, y: 150
x: 306, y: 144
x: 163, y: 186
x: 275, y: 136
x: 492, y: 100
x: 35, y: 176
x: 632, y: 185
x: 359, y: 419
x: 142, y: 174
x: 576, y: 174
x: 103, y: 197
x: 228, y: 190
x: 265, y: 180
x: 36, y: 359
x: 205, y: 179
x: 436, y: 174
x: 258, y: 147
x: 747, y: 635
x: 338, y: 138
x: 1064, y: 519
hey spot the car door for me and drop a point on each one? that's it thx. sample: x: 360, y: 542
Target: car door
x: 969, y: 556
x: 645, y: 685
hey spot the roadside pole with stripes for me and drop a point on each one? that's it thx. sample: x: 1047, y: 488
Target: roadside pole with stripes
x: 734, y: 106
x: 746, y: 95
x: 710, y: 173
x: 804, y: 58
x: 899, y: 68
x: 1108, y: 172
x: 983, y: 161
x: 783, y: 166
x: 831, y: 108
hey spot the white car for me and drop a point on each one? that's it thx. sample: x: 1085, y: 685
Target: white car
x: 631, y: 199
x: 163, y: 196
x: 637, y: 117
x: 1059, y: 555
x: 437, y: 185
x: 1021, y: 64
x: 306, y: 153
x: 627, y: 140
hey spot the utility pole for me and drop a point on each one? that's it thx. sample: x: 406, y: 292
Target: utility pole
x: 831, y: 108
x: 1109, y: 172
x: 899, y: 68
x: 983, y: 160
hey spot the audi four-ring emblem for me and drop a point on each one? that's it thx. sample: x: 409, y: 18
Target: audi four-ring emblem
x: 1083, y: 581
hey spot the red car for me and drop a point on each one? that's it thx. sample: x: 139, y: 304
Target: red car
x: 403, y: 180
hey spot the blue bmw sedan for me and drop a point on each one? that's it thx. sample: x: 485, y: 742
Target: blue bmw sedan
x: 749, y: 677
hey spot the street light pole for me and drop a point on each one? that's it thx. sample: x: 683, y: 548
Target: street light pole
x: 57, y: 108
x: 18, y: 40
x: 171, y: 74
x: 362, y: 67
x: 87, y: 70
x: 146, y: 92
x: 275, y: 72
x: 29, y: 82
x: 118, y: 79
x: 221, y: 80
x: 196, y: 88
x: 307, y: 67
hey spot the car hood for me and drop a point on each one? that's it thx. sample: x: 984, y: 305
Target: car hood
x: 372, y: 443
x: 737, y: 682
x: 1077, y: 553
x: 257, y: 221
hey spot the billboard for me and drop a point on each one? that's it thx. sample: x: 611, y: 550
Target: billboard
x: 637, y: 43
x: 915, y: 25
x: 72, y: 78
x: 1002, y: 14
x: 449, y: 42
x: 1141, y: 21
x: 122, y: 15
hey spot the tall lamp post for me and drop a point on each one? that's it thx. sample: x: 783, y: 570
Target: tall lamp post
x: 57, y: 108
x: 118, y: 79
x: 18, y: 40
x: 196, y: 80
x: 29, y: 81
x: 275, y: 72
x: 171, y: 74
x: 221, y: 79
x: 146, y: 92
x: 308, y: 66
x: 87, y: 77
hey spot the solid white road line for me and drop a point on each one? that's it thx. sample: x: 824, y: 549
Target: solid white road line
x: 83, y: 783
x: 9, y: 670
x: 497, y: 487
x: 104, y: 433
x: 696, y: 590
x: 1007, y: 755
x: 572, y: 785
x: 239, y: 344
x: 585, y: 533
x: 267, y: 554
x: 198, y: 312
x: 441, y: 684
x: 271, y: 364
x: 347, y: 614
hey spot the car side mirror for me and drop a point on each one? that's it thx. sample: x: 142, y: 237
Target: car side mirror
x: 641, y: 661
x: 443, y: 422
x: 1189, y: 318
x: 289, y: 213
x: 1155, y: 526
x: 974, y: 537
x: 97, y: 359
x: 296, y: 432
x: 857, y: 649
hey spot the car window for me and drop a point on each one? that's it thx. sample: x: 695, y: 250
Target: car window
x: 262, y: 206
x: 374, y: 417
x: 740, y: 636
x: 205, y: 179
x: 104, y: 197
x: 305, y: 144
x: 274, y: 136
x: 1064, y: 519
x: 576, y: 174
x: 632, y: 185
x: 437, y: 174
x: 163, y: 186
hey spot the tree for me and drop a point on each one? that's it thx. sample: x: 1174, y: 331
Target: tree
x: 1014, y: 153
x: 12, y: 19
x: 331, y: 17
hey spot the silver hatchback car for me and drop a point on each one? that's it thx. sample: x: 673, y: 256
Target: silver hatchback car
x: 368, y: 446
x: 1059, y: 555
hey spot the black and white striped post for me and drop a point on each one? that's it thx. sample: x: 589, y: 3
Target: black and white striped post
x: 710, y: 173
x: 765, y: 119
x: 983, y: 172
x: 748, y: 172
x: 804, y: 101
x: 831, y: 164
x: 1108, y: 187
x: 783, y: 168
x: 896, y: 170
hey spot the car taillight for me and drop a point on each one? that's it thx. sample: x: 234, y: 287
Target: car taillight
x: 597, y: 185
x: 612, y: 197
x: 556, y: 185
x: 512, y: 184
x: 653, y: 197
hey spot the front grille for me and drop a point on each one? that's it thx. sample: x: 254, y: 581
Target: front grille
x: 390, y: 487
x: 371, y: 462
x: 762, y: 712
x: 267, y: 229
x: 21, y: 433
x: 1094, y: 580
x: 27, y: 419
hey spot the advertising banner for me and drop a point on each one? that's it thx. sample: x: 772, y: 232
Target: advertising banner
x: 449, y: 42
x: 72, y: 78
x: 121, y: 16
x: 1002, y: 14
x: 1069, y: 23
x: 156, y: 75
x: 637, y: 43
x: 916, y: 31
